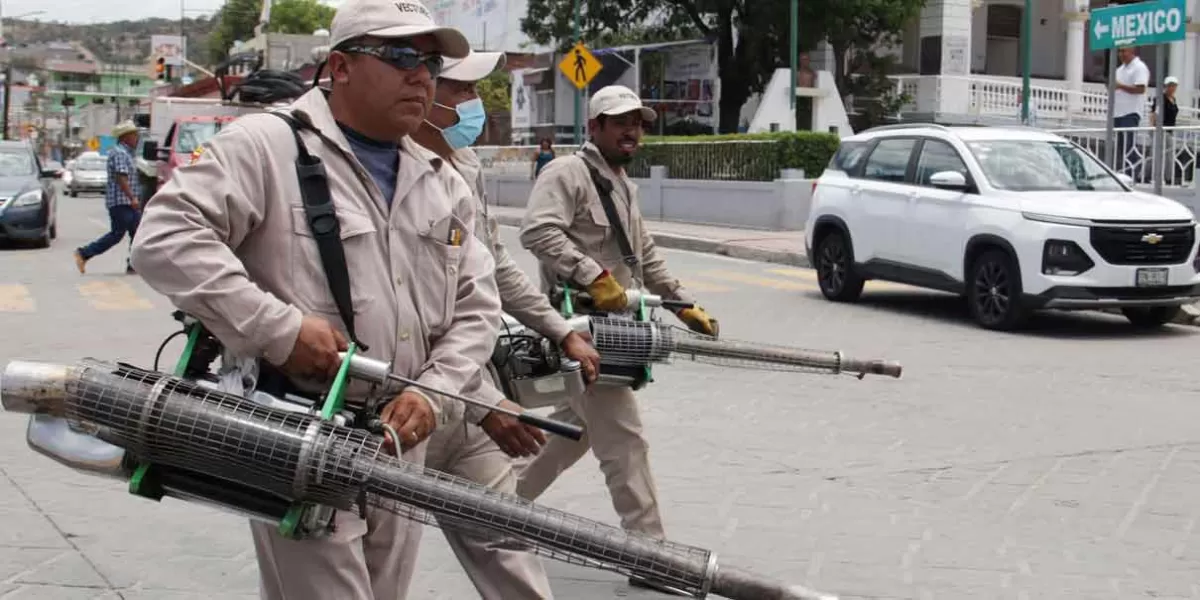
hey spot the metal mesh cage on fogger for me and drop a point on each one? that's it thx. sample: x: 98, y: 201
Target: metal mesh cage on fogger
x: 168, y: 421
x: 626, y: 342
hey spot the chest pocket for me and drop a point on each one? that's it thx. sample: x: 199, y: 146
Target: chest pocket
x: 438, y: 258
x: 358, y: 234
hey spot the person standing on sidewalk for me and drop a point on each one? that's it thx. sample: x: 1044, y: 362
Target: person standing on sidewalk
x: 567, y: 227
x: 1129, y: 98
x: 121, y: 197
x: 479, y: 447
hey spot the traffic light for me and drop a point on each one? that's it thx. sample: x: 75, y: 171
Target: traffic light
x: 160, y: 69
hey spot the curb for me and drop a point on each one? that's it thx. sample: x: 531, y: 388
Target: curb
x: 707, y: 246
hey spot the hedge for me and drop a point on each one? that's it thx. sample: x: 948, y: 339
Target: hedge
x: 738, y: 156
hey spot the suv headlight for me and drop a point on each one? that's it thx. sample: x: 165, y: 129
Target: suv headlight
x: 33, y: 198
x: 1064, y: 257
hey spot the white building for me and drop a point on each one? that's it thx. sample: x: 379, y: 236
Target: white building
x: 964, y: 60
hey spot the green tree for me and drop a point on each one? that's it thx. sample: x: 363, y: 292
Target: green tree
x: 237, y: 19
x: 751, y: 35
x: 494, y: 90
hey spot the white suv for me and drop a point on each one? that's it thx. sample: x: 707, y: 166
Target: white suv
x: 1015, y: 219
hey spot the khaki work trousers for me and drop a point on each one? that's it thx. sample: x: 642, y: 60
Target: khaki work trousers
x: 613, y: 431
x: 502, y: 568
x: 361, y: 560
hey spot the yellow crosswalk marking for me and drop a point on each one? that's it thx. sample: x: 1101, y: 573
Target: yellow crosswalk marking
x: 805, y: 274
x: 769, y: 282
x: 113, y: 295
x: 14, y: 297
x: 705, y: 286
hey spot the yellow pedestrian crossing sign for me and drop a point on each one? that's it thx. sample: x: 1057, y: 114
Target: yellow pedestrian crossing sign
x: 93, y: 144
x: 579, y: 66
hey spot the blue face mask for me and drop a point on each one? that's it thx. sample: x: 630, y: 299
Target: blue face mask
x: 469, y: 127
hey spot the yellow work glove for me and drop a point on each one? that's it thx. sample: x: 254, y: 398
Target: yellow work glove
x: 607, y: 294
x: 699, y: 321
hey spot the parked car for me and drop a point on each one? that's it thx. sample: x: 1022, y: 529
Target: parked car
x: 1015, y: 219
x: 28, y: 200
x: 88, y: 174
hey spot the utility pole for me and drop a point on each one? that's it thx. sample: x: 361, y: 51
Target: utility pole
x: 795, y: 56
x: 1026, y: 57
x: 7, y: 95
x: 578, y: 92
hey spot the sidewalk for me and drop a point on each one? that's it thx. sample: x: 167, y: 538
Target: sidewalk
x: 783, y: 247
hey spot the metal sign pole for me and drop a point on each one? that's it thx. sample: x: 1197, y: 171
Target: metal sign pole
x: 1159, y: 74
x: 1110, y: 151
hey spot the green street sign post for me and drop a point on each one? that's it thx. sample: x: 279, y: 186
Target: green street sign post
x: 1130, y: 25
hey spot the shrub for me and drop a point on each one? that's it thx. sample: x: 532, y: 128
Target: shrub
x: 736, y: 157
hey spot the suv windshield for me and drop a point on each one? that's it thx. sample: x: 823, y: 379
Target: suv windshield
x: 90, y: 164
x: 14, y: 163
x: 1041, y: 166
x: 194, y: 133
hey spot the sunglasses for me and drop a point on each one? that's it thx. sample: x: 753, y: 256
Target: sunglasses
x: 401, y: 57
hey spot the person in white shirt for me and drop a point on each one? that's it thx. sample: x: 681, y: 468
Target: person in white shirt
x: 1128, y: 101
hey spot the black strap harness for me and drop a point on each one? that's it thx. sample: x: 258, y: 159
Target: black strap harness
x: 604, y: 188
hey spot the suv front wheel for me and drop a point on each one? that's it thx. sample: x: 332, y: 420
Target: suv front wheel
x: 835, y: 269
x: 994, y: 291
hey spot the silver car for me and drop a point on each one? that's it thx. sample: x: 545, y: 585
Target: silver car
x: 88, y: 174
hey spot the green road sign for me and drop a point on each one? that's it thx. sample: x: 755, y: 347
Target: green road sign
x: 1141, y: 24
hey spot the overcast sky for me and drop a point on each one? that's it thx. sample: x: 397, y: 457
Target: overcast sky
x: 98, y: 11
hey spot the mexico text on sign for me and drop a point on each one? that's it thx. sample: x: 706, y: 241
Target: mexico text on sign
x: 1141, y: 24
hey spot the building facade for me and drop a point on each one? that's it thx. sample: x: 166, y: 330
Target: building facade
x: 961, y: 60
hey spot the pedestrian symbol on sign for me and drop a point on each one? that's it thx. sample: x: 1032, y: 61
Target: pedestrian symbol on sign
x: 579, y: 66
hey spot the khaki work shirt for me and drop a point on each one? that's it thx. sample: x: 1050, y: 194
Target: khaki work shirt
x: 566, y: 228
x: 228, y: 242
x: 519, y: 296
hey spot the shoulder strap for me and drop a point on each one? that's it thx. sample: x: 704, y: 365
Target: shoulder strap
x: 323, y: 222
x: 604, y: 188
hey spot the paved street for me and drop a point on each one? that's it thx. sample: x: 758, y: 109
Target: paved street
x: 1058, y: 463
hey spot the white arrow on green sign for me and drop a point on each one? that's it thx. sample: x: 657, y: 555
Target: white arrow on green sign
x: 1141, y: 24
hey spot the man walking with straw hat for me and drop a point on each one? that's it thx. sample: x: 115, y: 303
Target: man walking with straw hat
x: 120, y: 197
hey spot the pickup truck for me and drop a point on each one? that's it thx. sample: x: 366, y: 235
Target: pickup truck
x: 180, y: 125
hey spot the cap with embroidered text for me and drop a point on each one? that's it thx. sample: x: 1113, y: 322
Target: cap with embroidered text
x: 618, y: 100
x: 474, y: 67
x: 393, y: 19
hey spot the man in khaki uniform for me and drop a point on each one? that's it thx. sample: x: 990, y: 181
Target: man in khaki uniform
x: 228, y: 241
x: 567, y: 229
x: 476, y: 448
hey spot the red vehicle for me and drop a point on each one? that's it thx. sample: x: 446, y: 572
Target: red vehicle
x: 185, y: 135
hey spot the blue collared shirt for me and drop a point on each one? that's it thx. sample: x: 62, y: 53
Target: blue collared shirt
x: 121, y: 162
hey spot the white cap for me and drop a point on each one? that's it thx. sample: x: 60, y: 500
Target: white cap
x: 393, y: 19
x: 1172, y: 80
x: 474, y: 67
x: 618, y: 100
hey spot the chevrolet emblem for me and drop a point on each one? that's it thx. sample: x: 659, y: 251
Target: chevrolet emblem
x: 1152, y: 238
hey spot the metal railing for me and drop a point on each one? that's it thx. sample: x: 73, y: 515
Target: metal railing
x: 999, y: 97
x: 1133, y: 151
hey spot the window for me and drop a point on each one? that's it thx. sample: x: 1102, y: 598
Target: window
x: 1042, y: 166
x: 848, y: 156
x: 938, y: 156
x: 194, y: 133
x: 14, y: 163
x: 889, y: 160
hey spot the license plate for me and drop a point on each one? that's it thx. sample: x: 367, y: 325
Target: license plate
x: 1151, y: 277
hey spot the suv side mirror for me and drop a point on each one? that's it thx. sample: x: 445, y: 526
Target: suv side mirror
x: 150, y: 150
x: 948, y: 180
